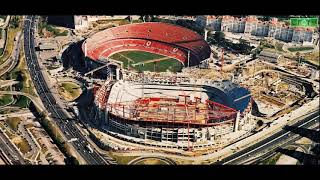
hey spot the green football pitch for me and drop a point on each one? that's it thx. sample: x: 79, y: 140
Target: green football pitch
x: 145, y: 61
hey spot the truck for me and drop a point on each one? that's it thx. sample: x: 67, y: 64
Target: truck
x: 89, y: 148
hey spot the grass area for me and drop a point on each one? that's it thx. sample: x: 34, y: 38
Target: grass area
x: 278, y: 46
x: 303, y: 48
x: 5, y: 99
x: 137, y: 21
x: 69, y: 90
x: 23, y: 146
x: 13, y: 122
x: 21, y: 74
x: 140, y: 56
x: 151, y: 161
x: 123, y: 160
x: 52, y: 131
x: 22, y: 101
x: 11, y: 33
x: 53, y: 30
x: 272, y: 160
x: 313, y: 58
x: 26, y: 81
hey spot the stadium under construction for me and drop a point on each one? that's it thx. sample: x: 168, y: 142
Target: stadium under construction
x: 169, y: 110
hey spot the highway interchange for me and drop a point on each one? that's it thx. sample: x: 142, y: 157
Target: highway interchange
x: 55, y: 111
x: 70, y: 130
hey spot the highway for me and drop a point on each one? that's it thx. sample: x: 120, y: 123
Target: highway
x: 269, y: 144
x: 55, y: 111
x: 12, y: 61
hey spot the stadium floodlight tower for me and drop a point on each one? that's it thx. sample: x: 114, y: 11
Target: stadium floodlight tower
x: 205, y: 34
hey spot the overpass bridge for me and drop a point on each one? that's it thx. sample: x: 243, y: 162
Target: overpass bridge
x: 6, y: 83
x: 34, y: 99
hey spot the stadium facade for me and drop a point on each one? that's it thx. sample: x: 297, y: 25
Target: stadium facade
x: 172, y: 111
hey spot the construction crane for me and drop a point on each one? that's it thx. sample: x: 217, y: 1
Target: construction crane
x: 222, y: 60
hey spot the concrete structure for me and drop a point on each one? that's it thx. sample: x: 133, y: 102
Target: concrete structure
x: 269, y: 56
x: 301, y: 35
x: 48, y: 46
x: 81, y: 22
x: 172, y: 111
x: 115, y: 17
x: 256, y: 27
x: 233, y: 24
x: 212, y: 23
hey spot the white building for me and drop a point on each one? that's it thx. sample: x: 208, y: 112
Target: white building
x: 301, y: 35
x: 81, y: 22
x: 212, y: 23
x: 233, y: 24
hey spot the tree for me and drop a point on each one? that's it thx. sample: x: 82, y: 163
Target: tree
x: 14, y: 23
x: 219, y: 36
x: 260, y: 123
x: 298, y: 57
x: 243, y: 41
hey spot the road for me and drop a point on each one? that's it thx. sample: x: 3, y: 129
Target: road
x: 165, y: 160
x: 32, y: 98
x: 33, y: 153
x: 270, y: 143
x: 66, y: 125
x: 9, y: 150
x: 14, y: 56
x: 6, y: 83
x: 24, y: 113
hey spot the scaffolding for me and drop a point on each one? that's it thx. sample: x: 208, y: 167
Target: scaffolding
x: 173, y: 110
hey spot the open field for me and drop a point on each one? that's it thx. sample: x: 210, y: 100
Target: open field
x: 122, y: 160
x: 13, y: 122
x: 69, y: 90
x: 278, y: 46
x: 272, y: 160
x: 21, y: 74
x: 295, y: 49
x: 145, y: 61
x: 313, y: 58
x: 22, y: 144
x: 5, y: 99
x: 11, y: 33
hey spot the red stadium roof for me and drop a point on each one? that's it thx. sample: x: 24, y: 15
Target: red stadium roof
x: 161, y: 38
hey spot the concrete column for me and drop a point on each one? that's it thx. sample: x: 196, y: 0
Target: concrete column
x: 236, y: 126
x: 118, y: 74
x: 85, y: 50
x: 205, y: 34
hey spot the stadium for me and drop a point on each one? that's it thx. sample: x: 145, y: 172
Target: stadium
x: 168, y: 110
x: 158, y: 44
x: 172, y: 111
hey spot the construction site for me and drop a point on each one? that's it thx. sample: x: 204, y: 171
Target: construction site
x: 218, y: 98
x: 196, y: 111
